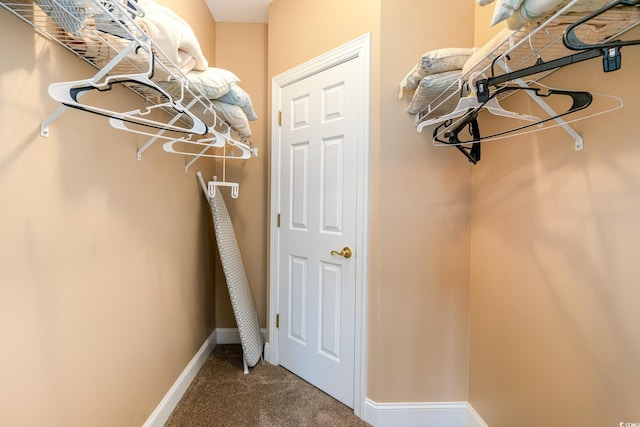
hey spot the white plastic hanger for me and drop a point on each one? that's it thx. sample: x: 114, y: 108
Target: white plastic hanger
x: 210, y: 188
x: 244, y: 151
x: 219, y: 130
x: 601, y: 102
x: 67, y: 93
x: 470, y: 102
x: 235, y: 187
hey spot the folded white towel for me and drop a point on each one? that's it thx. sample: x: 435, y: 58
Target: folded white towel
x: 234, y: 115
x: 237, y: 96
x: 173, y: 35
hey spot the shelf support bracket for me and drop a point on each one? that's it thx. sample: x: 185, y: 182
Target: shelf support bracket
x: 579, y: 142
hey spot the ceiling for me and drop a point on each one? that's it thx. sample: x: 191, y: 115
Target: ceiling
x: 250, y: 11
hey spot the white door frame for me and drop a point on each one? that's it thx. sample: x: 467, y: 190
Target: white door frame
x: 358, y: 49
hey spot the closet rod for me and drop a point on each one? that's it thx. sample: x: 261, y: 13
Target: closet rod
x: 483, y: 84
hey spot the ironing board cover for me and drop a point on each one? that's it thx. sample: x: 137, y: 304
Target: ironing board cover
x: 242, y: 303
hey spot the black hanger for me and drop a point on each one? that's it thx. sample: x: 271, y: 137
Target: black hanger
x: 610, y: 51
x: 472, y: 153
x: 452, y: 129
x: 571, y: 41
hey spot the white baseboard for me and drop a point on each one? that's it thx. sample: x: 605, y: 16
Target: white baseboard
x: 228, y: 335
x: 163, y: 411
x: 267, y: 353
x: 436, y: 414
x: 232, y: 336
x: 473, y: 419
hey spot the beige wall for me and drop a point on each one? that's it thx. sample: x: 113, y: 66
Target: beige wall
x: 552, y: 339
x: 482, y: 31
x: 555, y: 279
x: 106, y: 281
x: 242, y: 48
x: 304, y: 29
x: 107, y: 285
x: 420, y: 195
x: 420, y: 267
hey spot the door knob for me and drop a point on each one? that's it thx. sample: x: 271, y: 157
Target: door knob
x: 345, y: 252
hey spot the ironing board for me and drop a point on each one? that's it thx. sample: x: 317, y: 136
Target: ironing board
x: 242, y: 302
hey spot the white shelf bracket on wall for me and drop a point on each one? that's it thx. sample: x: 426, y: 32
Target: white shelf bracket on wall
x: 44, y: 126
x: 579, y: 142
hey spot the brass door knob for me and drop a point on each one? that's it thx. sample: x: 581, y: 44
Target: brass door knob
x: 345, y: 252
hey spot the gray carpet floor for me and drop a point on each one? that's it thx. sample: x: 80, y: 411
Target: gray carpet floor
x: 221, y: 395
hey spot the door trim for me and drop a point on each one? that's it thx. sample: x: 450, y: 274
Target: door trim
x: 360, y: 50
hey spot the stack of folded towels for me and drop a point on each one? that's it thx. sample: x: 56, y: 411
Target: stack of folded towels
x: 435, y: 74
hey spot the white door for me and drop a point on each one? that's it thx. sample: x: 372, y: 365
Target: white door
x: 318, y: 191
